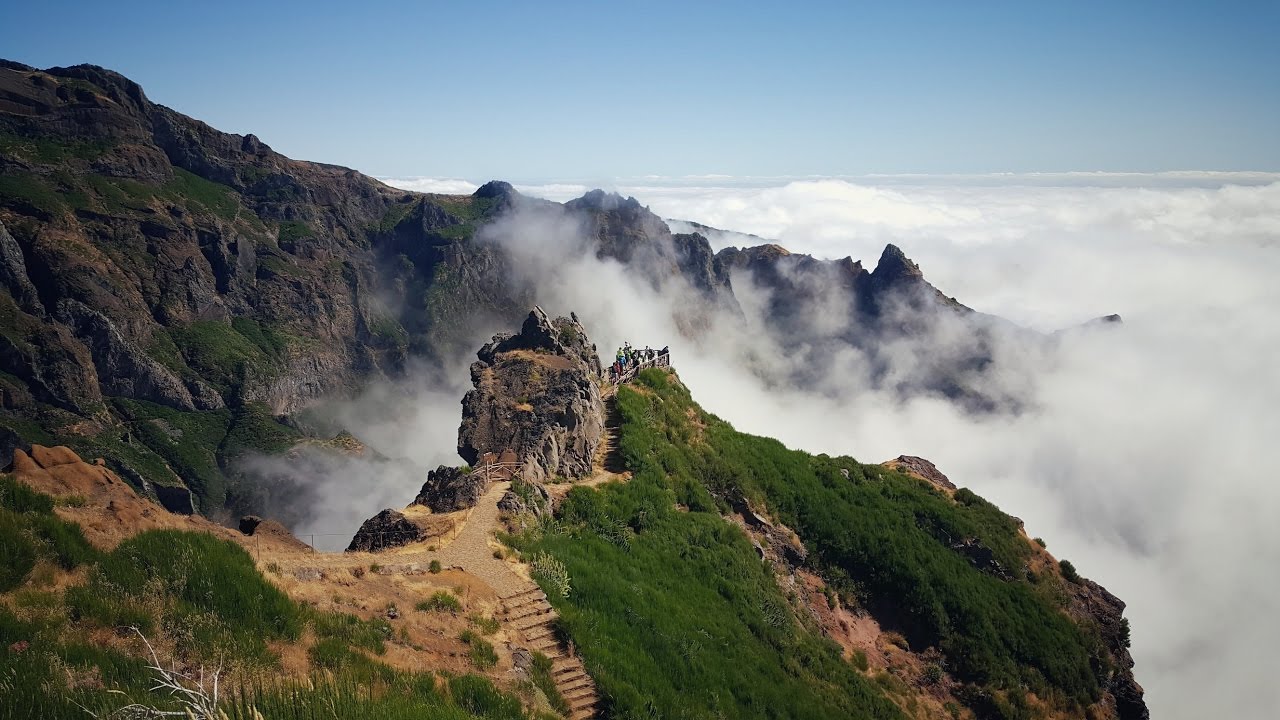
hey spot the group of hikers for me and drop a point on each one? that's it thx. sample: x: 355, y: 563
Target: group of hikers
x: 628, y: 358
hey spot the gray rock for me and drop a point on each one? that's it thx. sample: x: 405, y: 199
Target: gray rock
x: 13, y: 274
x: 389, y: 528
x: 449, y: 488
x: 123, y: 368
x: 535, y: 396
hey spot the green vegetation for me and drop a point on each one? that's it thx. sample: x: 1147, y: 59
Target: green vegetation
x: 221, y: 353
x: 1068, y: 571
x: 51, y: 151
x: 543, y: 678
x: 348, y: 629
x: 207, y: 599
x: 440, y: 601
x: 294, y: 230
x: 30, y: 532
x: 486, y: 625
x: 191, y: 189
x: 675, y: 615
x: 483, y: 655
x: 661, y: 596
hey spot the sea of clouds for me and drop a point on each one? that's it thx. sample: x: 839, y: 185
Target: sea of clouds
x: 1146, y: 455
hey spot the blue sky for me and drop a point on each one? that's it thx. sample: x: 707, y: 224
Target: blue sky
x: 535, y: 91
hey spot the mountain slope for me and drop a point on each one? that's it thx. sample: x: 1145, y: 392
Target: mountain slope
x: 994, y: 625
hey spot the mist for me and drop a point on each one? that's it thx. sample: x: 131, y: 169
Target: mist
x: 1143, y: 452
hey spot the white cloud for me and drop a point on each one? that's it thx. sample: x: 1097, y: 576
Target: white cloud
x: 1147, y: 455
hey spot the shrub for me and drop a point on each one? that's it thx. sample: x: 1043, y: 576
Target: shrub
x: 1040, y: 541
x: 440, y: 601
x: 1124, y: 632
x: 434, y: 568
x: 486, y: 625
x: 550, y: 574
x: 1069, y: 571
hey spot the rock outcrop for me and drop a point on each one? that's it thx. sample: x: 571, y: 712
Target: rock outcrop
x: 449, y: 488
x: 922, y: 469
x: 389, y: 528
x: 536, y: 396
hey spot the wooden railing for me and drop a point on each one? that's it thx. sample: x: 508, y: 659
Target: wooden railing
x: 631, y: 371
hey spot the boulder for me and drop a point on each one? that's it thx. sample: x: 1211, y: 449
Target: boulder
x: 449, y: 488
x: 389, y: 528
x: 536, y: 396
x: 255, y: 526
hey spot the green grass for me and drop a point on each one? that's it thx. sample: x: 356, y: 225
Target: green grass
x: 880, y: 536
x: 348, y: 629
x: 482, y: 654
x: 218, y: 593
x: 51, y: 151
x: 293, y: 230
x: 191, y: 189
x: 24, y: 190
x: 30, y: 531
x: 440, y: 601
x: 219, y: 352
x: 675, y: 615
x: 207, y: 597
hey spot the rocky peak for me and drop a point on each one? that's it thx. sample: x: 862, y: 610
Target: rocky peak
x: 894, y: 266
x: 536, y: 397
x: 606, y: 201
x: 495, y: 189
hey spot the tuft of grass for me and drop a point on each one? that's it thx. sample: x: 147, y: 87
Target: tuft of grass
x: 486, y: 625
x: 440, y: 601
x: 350, y: 630
x: 483, y: 655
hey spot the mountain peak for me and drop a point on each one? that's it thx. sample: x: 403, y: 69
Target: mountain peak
x: 894, y: 265
x: 494, y: 189
x: 600, y: 200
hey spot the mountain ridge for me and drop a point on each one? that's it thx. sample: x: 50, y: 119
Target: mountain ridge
x: 155, y: 265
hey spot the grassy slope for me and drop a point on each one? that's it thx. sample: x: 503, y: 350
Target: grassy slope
x: 673, y: 611
x: 64, y: 647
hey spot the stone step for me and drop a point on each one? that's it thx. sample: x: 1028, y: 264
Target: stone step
x: 572, y: 696
x: 560, y: 667
x: 534, y: 619
x: 539, y: 631
x: 577, y: 686
x: 525, y: 610
x: 568, y: 682
x: 583, y: 714
x: 514, y: 597
x: 541, y: 644
x: 524, y: 600
x: 583, y: 703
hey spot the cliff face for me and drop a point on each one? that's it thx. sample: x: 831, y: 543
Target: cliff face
x: 537, y: 399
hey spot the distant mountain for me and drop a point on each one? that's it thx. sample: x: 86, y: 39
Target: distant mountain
x: 173, y: 296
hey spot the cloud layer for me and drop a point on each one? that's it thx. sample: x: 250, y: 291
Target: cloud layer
x: 1147, y: 455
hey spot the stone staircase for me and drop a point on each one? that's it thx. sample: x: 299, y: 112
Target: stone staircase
x: 530, y: 614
